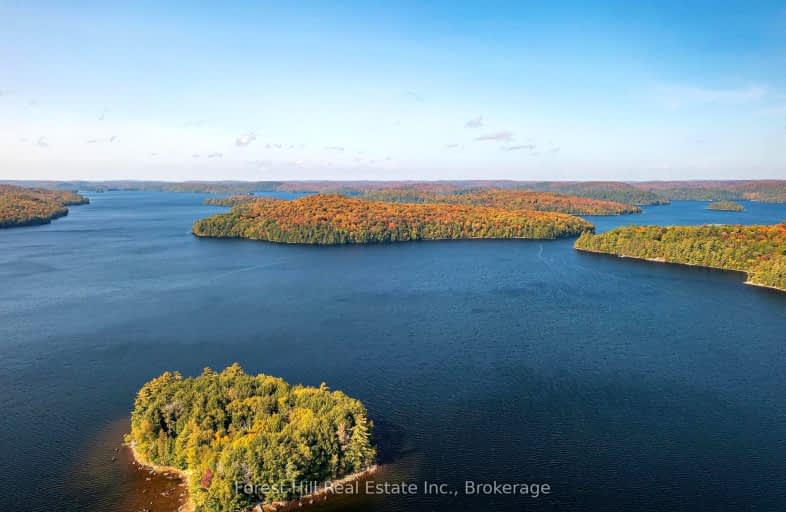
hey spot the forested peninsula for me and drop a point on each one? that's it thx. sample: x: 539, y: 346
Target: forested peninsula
x: 21, y: 206
x: 505, y: 198
x: 760, y: 251
x: 726, y: 206
x: 230, y: 432
x: 334, y: 219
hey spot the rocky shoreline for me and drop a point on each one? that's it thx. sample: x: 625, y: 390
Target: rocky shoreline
x: 320, y: 494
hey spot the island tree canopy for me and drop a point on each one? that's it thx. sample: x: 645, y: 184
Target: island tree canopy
x: 336, y: 219
x: 230, y: 429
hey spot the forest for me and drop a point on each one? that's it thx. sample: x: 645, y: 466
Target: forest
x: 229, y: 201
x: 760, y: 251
x: 604, y: 190
x: 227, y: 428
x: 505, y: 198
x: 32, y: 206
x: 334, y: 219
x: 630, y: 193
x: 768, y: 191
x: 726, y: 206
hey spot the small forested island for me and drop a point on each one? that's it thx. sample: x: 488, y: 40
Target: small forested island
x: 229, y: 201
x: 334, y: 219
x: 228, y: 432
x: 726, y: 206
x: 505, y: 198
x: 21, y: 206
x: 760, y: 251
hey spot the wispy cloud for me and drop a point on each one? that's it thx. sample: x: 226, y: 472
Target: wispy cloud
x: 245, y: 139
x: 260, y: 164
x: 676, y: 96
x: 215, y: 155
x: 519, y: 147
x: 194, y: 123
x: 502, y: 136
x: 454, y: 146
x: 335, y: 148
x: 475, y: 122
x: 103, y: 114
x: 42, y: 142
x: 195, y: 155
x: 413, y: 96
x: 108, y: 140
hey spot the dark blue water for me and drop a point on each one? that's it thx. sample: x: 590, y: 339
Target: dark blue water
x: 624, y: 385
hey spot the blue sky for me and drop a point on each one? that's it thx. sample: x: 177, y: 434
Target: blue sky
x: 393, y: 90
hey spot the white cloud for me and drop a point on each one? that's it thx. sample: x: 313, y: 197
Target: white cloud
x: 260, y: 164
x: 504, y: 136
x: 245, y: 139
x: 518, y: 147
x: 475, y: 122
x: 680, y: 96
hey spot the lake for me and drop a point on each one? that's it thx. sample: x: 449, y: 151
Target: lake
x: 624, y: 385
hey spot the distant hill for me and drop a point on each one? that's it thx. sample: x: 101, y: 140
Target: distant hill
x: 504, y: 198
x: 633, y: 193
